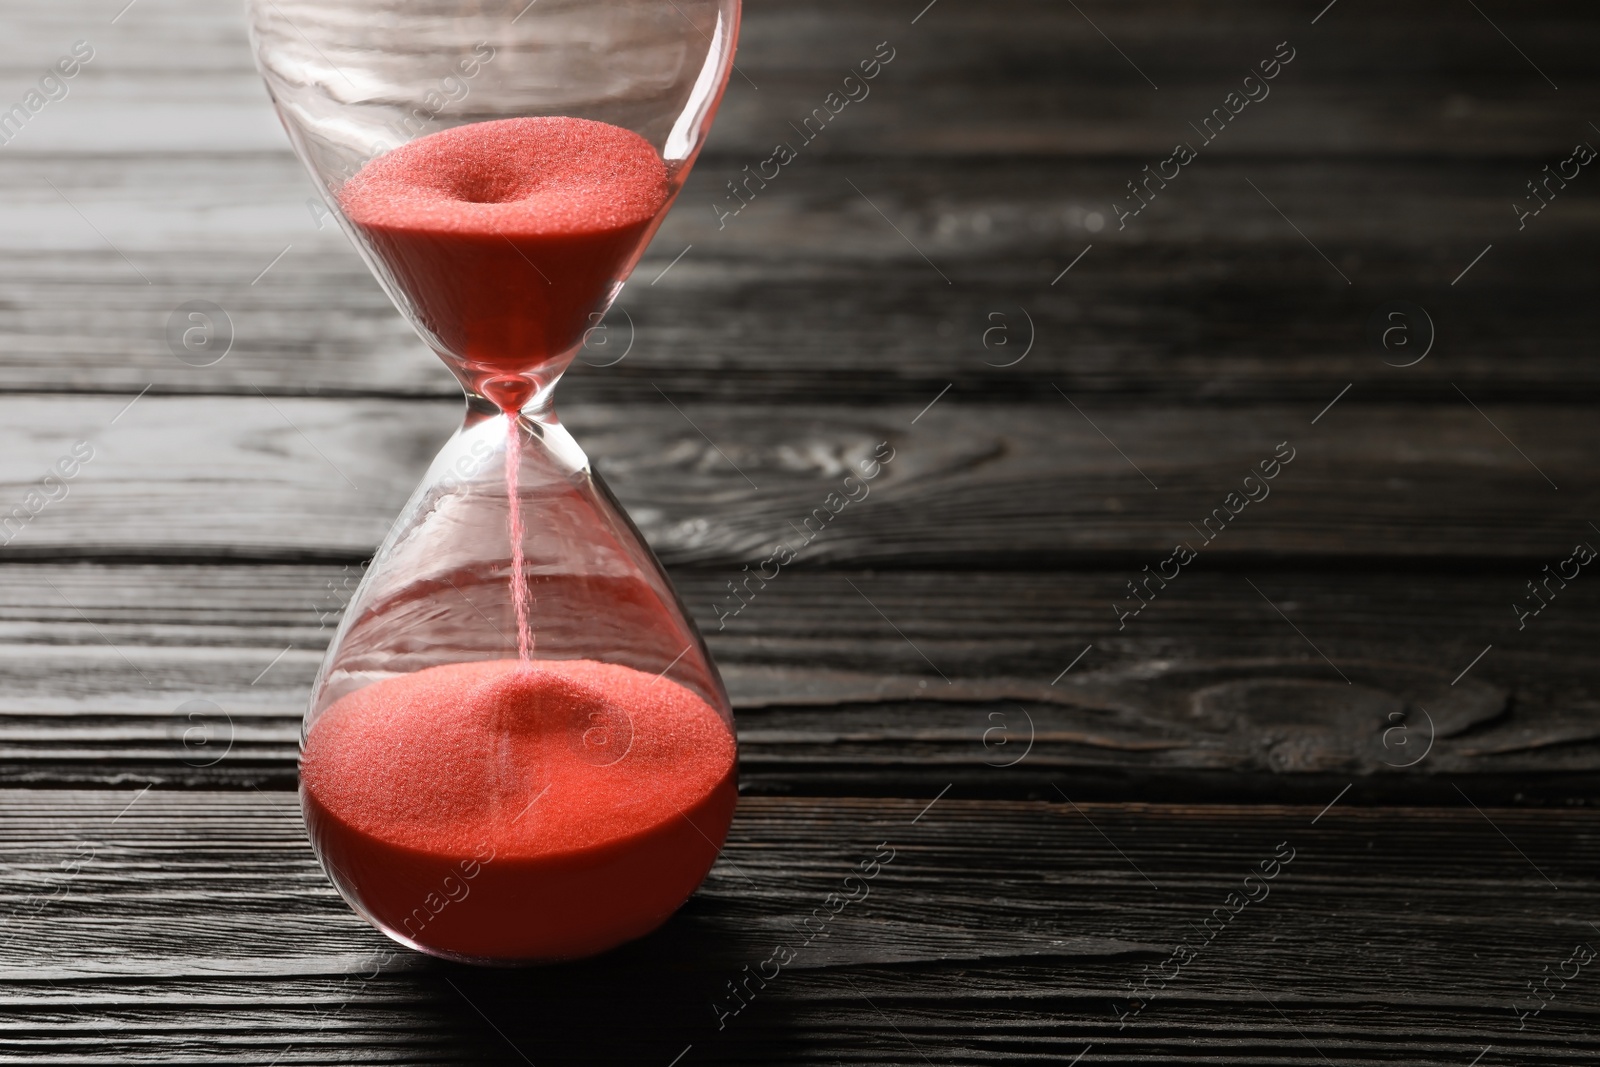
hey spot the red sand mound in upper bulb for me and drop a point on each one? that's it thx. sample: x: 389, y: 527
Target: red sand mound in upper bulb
x: 504, y: 236
x: 512, y: 811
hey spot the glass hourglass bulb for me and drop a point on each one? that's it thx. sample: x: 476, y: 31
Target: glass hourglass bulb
x: 518, y: 748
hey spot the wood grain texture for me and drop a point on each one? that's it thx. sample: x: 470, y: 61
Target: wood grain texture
x: 811, y: 295
x: 199, y: 676
x: 1386, y: 931
x: 944, y: 667
x: 1010, y: 78
x: 970, y: 485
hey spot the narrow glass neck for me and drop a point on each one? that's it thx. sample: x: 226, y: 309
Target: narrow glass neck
x: 538, y: 406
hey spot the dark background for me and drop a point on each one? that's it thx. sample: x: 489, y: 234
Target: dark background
x: 1340, y: 674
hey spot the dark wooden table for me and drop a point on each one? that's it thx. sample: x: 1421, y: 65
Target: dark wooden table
x: 1091, y: 813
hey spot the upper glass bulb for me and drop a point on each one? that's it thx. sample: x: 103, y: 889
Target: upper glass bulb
x: 500, y: 165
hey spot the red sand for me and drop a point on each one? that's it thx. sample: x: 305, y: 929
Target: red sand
x: 508, y: 811
x: 520, y: 596
x: 506, y: 235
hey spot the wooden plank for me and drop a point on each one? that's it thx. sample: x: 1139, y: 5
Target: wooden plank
x: 1014, y: 78
x: 809, y: 293
x: 976, y: 485
x: 199, y: 675
x: 201, y: 928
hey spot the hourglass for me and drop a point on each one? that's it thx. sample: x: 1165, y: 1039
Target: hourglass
x: 518, y: 748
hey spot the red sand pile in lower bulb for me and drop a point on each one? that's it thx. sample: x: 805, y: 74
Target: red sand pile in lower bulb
x: 505, y: 810
x: 504, y: 236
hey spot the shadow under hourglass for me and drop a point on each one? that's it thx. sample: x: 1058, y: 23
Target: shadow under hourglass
x: 644, y: 1003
